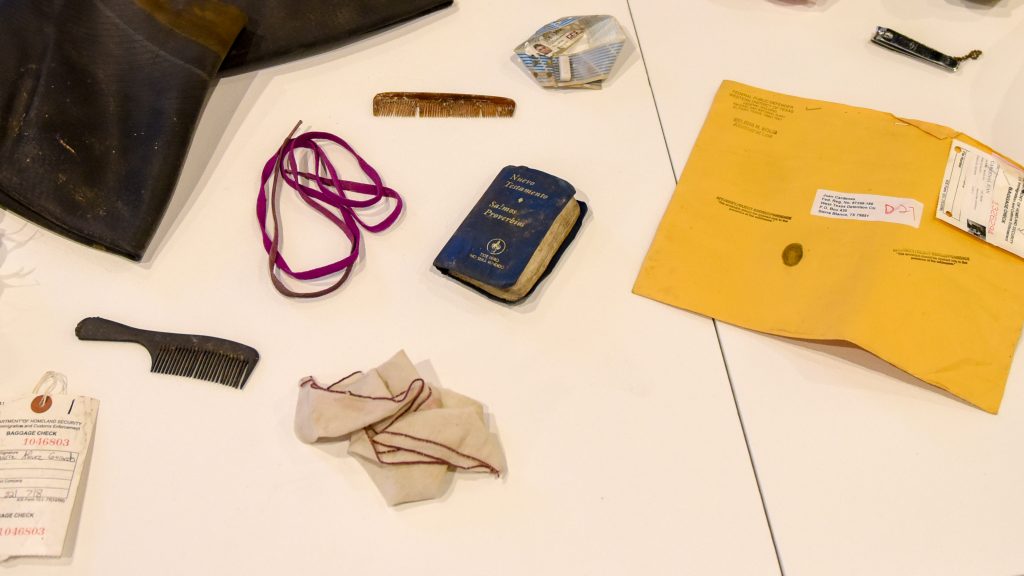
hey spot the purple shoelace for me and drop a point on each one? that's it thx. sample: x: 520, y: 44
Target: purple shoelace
x: 324, y: 191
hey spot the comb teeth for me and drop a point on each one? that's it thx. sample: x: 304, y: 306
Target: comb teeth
x: 202, y: 364
x: 440, y: 105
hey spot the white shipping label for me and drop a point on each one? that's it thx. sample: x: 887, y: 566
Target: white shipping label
x: 867, y: 208
x: 44, y: 445
x: 981, y: 194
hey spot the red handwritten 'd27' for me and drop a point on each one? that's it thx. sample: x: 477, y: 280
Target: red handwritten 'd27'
x: 900, y: 209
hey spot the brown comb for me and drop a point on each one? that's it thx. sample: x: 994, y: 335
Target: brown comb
x: 442, y: 105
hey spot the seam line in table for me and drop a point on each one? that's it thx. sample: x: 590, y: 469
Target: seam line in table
x: 654, y: 98
x: 750, y: 452
x: 718, y: 336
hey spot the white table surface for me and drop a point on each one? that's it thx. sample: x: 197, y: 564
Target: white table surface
x: 864, y: 469
x: 625, y: 451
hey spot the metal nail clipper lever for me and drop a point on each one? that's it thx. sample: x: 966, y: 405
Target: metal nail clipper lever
x: 898, y: 42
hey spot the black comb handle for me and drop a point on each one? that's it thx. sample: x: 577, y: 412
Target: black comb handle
x: 202, y: 357
x: 101, y: 329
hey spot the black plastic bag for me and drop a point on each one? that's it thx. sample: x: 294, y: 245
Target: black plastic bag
x: 99, y: 98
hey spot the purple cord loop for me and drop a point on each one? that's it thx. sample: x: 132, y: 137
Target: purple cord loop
x: 324, y: 191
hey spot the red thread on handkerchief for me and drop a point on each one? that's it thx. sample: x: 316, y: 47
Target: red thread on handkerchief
x: 481, y: 464
x: 397, y: 398
x: 382, y: 428
x: 411, y: 406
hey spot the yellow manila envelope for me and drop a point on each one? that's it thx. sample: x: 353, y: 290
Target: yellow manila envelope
x: 821, y: 221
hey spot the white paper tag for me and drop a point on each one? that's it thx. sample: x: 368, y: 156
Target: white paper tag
x: 564, y: 69
x: 981, y: 194
x: 867, y: 208
x: 44, y: 445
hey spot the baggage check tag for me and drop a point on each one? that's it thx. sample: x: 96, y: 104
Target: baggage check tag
x: 982, y: 195
x: 44, y: 446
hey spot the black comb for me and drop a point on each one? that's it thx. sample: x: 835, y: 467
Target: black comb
x: 202, y: 357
